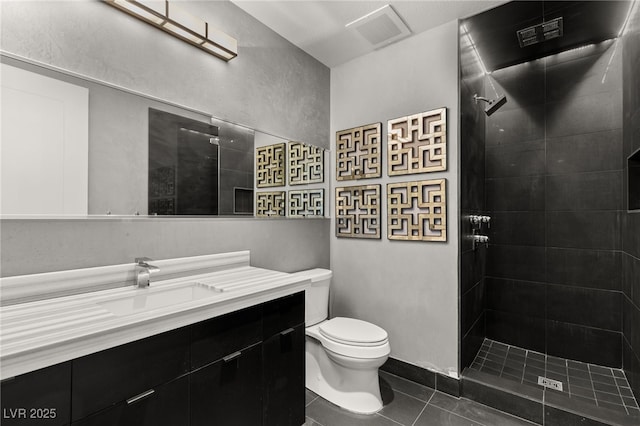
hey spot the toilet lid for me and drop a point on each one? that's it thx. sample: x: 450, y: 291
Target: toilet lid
x: 351, y: 331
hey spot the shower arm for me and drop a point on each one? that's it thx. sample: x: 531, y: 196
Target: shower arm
x: 481, y: 98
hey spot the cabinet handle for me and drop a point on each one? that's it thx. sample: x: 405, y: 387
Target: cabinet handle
x: 232, y: 356
x: 137, y: 398
x: 287, y: 331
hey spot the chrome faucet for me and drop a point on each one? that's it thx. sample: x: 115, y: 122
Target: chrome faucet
x: 144, y: 271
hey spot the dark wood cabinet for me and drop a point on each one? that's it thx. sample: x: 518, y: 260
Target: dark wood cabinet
x: 167, y: 404
x: 229, y: 392
x: 245, y: 368
x: 114, y: 375
x: 281, y: 314
x: 215, y: 338
x: 283, y: 378
x: 41, y: 397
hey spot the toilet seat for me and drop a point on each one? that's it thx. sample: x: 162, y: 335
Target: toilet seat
x: 343, y: 343
x: 350, y: 331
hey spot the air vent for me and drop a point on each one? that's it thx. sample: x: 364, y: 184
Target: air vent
x: 380, y: 27
x: 541, y: 32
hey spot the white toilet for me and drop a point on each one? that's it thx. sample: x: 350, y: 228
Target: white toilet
x: 342, y: 354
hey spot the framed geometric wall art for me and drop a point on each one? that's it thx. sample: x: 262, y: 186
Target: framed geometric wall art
x: 417, y: 143
x: 358, y: 152
x: 270, y: 165
x: 417, y: 211
x: 306, y: 203
x: 358, y: 211
x: 270, y: 204
x: 306, y: 164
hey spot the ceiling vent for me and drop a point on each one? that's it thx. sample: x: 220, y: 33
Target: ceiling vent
x: 541, y: 32
x: 380, y: 27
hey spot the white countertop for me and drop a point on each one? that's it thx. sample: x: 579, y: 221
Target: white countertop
x: 38, y: 334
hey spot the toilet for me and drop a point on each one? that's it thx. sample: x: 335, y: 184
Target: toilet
x: 342, y: 354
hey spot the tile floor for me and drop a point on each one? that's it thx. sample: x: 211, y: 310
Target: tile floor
x: 409, y: 404
x: 601, y: 386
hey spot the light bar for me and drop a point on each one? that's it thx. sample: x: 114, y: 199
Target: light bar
x: 179, y: 23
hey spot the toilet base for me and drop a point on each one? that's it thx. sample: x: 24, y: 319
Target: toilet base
x: 353, y: 387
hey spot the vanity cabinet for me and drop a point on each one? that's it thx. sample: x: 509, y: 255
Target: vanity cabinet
x: 283, y: 362
x: 167, y: 404
x: 40, y: 397
x: 228, y: 392
x: 117, y: 374
x: 284, y: 375
x: 239, y: 369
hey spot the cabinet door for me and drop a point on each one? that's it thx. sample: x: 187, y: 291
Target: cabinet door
x: 111, y: 376
x: 283, y: 372
x: 42, y: 397
x: 283, y: 313
x: 220, y: 336
x: 229, y: 392
x: 165, y: 405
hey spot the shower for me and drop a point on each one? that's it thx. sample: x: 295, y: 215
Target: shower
x: 492, y: 105
x: 546, y: 305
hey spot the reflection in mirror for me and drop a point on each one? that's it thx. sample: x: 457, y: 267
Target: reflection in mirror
x: 197, y: 168
x: 115, y: 157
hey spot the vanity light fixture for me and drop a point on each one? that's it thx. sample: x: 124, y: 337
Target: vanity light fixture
x: 181, y: 24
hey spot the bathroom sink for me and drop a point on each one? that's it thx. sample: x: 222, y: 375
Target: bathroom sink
x: 154, y: 298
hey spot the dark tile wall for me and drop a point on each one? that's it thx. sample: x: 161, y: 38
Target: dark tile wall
x: 472, y: 160
x: 630, y: 262
x: 554, y: 187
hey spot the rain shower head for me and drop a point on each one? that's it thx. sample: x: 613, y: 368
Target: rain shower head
x: 492, y: 105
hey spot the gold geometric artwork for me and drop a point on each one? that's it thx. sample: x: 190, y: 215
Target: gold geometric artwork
x: 270, y: 204
x: 417, y: 143
x: 306, y: 202
x: 417, y: 211
x: 358, y: 211
x: 270, y: 165
x: 358, y: 152
x: 306, y: 164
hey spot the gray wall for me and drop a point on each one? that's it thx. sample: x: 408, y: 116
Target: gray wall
x: 32, y: 245
x: 272, y: 86
x: 631, y: 220
x: 408, y: 288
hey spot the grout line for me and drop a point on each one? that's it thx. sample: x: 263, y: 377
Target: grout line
x: 390, y: 419
x: 592, y: 387
x: 313, y: 420
x: 619, y: 393
x: 422, y: 411
x: 312, y: 401
x: 504, y: 360
x: 409, y: 395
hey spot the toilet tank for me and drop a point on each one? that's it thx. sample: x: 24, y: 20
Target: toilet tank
x: 316, y: 297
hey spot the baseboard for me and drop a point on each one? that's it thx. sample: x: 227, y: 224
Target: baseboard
x: 437, y: 381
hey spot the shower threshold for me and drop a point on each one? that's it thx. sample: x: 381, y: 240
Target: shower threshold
x: 558, y: 386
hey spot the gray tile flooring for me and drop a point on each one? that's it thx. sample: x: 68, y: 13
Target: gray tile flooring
x: 409, y: 404
x: 594, y: 384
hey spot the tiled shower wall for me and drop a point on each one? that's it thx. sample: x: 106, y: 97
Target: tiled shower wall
x: 631, y: 220
x: 472, y: 133
x: 553, y: 183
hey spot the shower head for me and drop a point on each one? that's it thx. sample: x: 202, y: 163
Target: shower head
x: 492, y: 105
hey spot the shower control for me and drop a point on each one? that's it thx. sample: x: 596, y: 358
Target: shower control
x: 479, y: 239
x: 477, y: 221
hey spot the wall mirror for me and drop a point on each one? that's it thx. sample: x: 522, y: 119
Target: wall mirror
x: 76, y: 146
x: 127, y: 160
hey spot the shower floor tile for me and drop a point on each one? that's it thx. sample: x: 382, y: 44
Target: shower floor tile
x: 601, y: 386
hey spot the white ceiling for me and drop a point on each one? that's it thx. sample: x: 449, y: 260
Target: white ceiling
x: 318, y: 27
